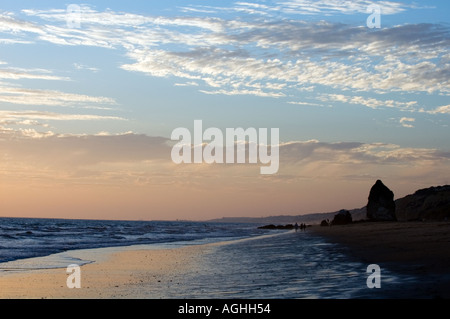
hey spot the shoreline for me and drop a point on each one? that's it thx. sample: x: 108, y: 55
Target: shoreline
x: 424, y: 243
x: 321, y: 262
x: 111, y: 276
x: 421, y: 249
x: 110, y: 272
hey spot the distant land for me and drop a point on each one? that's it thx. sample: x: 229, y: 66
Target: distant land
x: 431, y: 203
x: 314, y: 218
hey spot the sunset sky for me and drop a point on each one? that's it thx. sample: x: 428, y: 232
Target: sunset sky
x: 91, y: 93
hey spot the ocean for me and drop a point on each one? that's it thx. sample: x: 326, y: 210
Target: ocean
x: 22, y: 238
x: 285, y: 264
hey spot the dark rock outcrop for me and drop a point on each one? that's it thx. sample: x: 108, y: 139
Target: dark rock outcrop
x: 324, y: 223
x: 342, y: 218
x: 426, y: 204
x: 381, y: 205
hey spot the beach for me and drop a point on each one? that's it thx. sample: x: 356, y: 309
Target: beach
x: 399, y: 244
x: 118, y: 274
x: 319, y: 263
x: 421, y: 249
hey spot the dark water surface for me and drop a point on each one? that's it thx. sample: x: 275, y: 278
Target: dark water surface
x: 263, y: 264
x: 290, y: 266
x: 27, y: 238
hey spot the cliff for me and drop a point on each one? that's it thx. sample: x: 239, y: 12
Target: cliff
x: 425, y: 204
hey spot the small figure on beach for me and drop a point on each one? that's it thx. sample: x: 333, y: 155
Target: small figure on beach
x: 296, y: 227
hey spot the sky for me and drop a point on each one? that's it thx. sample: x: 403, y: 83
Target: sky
x: 90, y: 94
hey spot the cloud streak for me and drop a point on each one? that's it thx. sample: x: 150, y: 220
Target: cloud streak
x: 340, y: 7
x: 36, y: 115
x: 25, y: 96
x: 407, y: 122
x: 265, y: 58
x: 115, y: 166
x: 369, y: 102
x: 131, y: 147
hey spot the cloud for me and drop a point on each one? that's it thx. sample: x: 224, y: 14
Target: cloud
x: 138, y: 169
x: 255, y: 92
x: 14, y: 41
x: 269, y: 57
x: 313, y: 7
x: 69, y: 153
x: 306, y: 7
x: 406, y: 122
x: 369, y: 101
x: 305, y: 103
x: 19, y: 74
x: 32, y: 133
x: 190, y: 83
x: 38, y: 115
x: 13, y: 93
x: 80, y: 66
x: 130, y: 156
x: 135, y: 147
x: 445, y: 109
x: 11, y: 25
x: 357, y: 153
x: 25, y: 96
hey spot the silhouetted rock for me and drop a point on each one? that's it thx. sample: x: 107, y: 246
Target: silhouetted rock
x: 324, y: 223
x: 425, y: 204
x: 342, y: 218
x: 381, y: 205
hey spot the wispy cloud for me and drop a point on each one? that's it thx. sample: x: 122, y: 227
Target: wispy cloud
x: 9, y: 24
x: 134, y: 154
x: 445, y: 109
x: 35, y: 74
x: 314, y: 7
x: 305, y: 7
x: 407, y: 122
x: 369, y: 101
x: 305, y: 103
x: 36, y: 115
x: 25, y: 96
x: 80, y: 66
x: 264, y: 58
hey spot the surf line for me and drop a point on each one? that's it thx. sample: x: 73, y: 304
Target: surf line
x: 235, y: 145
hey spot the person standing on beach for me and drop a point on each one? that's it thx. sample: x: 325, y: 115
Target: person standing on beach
x: 296, y: 227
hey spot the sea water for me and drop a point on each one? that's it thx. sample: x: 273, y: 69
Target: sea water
x: 22, y: 238
x: 291, y: 265
x: 254, y: 263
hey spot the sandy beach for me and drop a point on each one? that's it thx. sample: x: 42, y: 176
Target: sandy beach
x: 115, y: 276
x: 421, y: 249
x: 321, y: 262
x: 399, y: 243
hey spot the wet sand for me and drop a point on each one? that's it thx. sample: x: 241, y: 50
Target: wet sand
x: 417, y: 248
x: 322, y: 262
x: 116, y: 275
x: 134, y: 272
